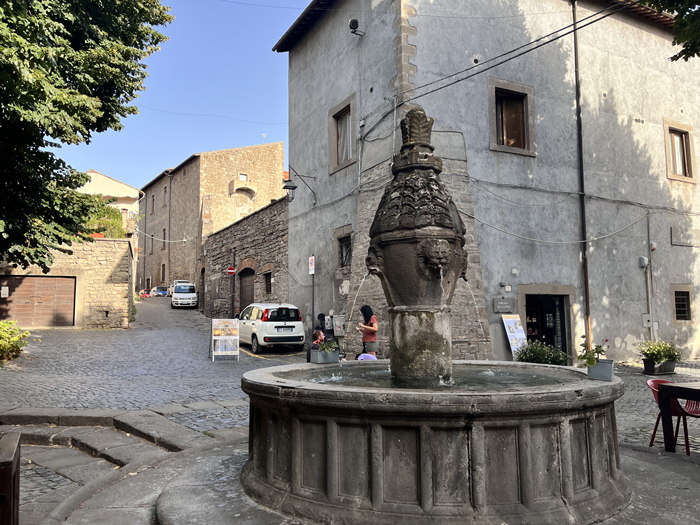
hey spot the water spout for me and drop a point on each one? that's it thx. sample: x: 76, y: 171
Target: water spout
x: 355, y: 301
x: 476, y: 307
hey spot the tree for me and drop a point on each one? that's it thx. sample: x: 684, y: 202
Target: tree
x: 68, y: 69
x: 108, y: 220
x: 687, y: 24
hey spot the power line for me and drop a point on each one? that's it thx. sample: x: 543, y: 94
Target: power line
x: 212, y: 115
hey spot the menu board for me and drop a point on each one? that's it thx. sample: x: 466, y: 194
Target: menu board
x: 514, y: 331
x: 224, y: 338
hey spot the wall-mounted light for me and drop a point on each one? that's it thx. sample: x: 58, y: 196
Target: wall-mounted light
x: 354, y: 25
x: 289, y: 188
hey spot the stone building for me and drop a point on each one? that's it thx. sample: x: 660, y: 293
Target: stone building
x: 90, y: 288
x: 182, y: 206
x: 256, y: 246
x: 567, y: 212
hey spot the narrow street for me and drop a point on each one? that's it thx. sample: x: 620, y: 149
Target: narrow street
x: 162, y: 359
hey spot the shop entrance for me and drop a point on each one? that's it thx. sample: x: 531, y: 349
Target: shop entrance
x: 546, y: 320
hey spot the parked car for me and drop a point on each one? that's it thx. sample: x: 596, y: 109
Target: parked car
x: 270, y: 324
x: 145, y: 293
x: 159, y: 291
x: 184, y: 294
x: 174, y: 284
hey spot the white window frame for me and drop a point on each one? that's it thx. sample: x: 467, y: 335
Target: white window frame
x: 687, y: 132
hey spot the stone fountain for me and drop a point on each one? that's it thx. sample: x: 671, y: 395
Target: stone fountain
x: 499, y: 442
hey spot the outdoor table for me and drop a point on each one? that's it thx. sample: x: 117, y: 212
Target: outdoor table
x: 668, y: 391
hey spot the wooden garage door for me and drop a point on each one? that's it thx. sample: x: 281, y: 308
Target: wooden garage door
x: 38, y: 301
x: 247, y: 282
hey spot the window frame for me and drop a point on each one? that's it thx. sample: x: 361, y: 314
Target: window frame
x: 164, y: 241
x: 151, y: 251
x: 243, y: 177
x: 162, y: 272
x: 682, y: 288
x: 336, y: 112
x: 267, y: 277
x: 686, y: 132
x: 527, y: 93
x: 340, y: 251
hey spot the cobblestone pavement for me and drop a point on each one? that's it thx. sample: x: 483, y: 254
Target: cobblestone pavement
x: 205, y: 420
x: 35, y: 481
x: 162, y: 359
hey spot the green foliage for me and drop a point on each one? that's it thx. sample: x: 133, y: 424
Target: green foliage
x: 12, y: 340
x: 687, y: 24
x: 660, y: 351
x: 107, y: 220
x: 133, y: 314
x: 327, y: 346
x: 538, y: 352
x: 591, y: 356
x: 68, y: 69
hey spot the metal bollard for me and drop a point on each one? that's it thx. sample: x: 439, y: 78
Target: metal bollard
x: 9, y: 479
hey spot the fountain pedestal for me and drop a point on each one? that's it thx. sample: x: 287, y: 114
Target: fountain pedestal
x: 421, y: 342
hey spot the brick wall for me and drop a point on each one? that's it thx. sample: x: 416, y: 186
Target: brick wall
x: 260, y: 241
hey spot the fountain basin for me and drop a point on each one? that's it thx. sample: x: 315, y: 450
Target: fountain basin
x: 540, y: 453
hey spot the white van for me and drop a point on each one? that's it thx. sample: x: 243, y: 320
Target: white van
x: 184, y: 294
x: 269, y: 324
x: 174, y: 284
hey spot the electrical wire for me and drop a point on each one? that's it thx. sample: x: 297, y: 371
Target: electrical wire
x: 148, y: 236
x: 212, y: 115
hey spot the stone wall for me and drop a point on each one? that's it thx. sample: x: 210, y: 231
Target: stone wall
x: 260, y: 244
x: 103, y: 281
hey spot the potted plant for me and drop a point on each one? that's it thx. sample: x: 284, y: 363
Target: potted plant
x: 659, y: 357
x: 327, y: 353
x: 539, y: 352
x: 601, y: 369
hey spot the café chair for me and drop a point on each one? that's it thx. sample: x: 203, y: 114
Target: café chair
x: 691, y: 408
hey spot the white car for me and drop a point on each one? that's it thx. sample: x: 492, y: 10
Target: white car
x: 174, y: 284
x: 184, y: 294
x: 269, y: 324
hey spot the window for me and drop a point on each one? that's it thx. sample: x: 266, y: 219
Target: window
x: 162, y: 272
x: 268, y: 282
x: 163, y: 239
x: 231, y: 188
x: 165, y: 196
x: 243, y: 177
x: 151, y: 250
x: 679, y: 151
x: 511, y: 117
x: 345, y: 251
x: 341, y: 135
x: 153, y: 203
x: 682, y: 303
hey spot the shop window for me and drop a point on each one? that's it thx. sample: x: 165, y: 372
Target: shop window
x: 512, y: 122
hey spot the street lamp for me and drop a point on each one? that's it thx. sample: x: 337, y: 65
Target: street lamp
x: 289, y: 188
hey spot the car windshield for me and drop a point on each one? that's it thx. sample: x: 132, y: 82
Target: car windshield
x: 162, y: 289
x: 184, y: 288
x: 284, y: 314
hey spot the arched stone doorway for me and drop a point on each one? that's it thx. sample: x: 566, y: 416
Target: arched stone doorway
x: 247, y: 285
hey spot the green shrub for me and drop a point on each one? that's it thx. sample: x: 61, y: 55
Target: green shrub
x: 12, y: 340
x: 539, y: 352
x: 660, y: 351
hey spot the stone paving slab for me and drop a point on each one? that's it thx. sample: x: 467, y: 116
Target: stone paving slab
x: 229, y: 403
x: 170, y: 408
x: 203, y: 405
x: 137, y: 516
x: 160, y: 430
x: 139, y: 490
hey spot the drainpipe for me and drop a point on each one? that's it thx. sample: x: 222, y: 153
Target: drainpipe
x: 648, y: 277
x: 581, y: 179
x: 170, y: 232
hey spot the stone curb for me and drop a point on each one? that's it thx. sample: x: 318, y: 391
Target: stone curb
x: 65, y: 417
x: 649, y: 450
x: 63, y: 511
x: 160, y: 430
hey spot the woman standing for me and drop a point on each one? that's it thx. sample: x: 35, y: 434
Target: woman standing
x: 369, y: 330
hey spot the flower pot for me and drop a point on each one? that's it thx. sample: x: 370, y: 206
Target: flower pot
x: 655, y: 369
x: 602, y: 370
x: 324, y: 357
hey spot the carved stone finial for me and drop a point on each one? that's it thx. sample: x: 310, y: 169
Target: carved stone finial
x: 416, y: 127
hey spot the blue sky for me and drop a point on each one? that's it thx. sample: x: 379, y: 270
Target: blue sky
x: 218, y: 61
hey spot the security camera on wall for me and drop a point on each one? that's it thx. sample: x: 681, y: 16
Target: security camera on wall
x: 354, y: 25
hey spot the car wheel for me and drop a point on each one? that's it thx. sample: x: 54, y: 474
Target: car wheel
x: 171, y: 305
x: 255, y: 345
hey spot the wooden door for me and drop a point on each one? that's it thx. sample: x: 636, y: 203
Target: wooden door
x: 247, y: 285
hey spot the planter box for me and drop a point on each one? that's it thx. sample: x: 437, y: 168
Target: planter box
x: 656, y: 369
x: 602, y: 370
x: 324, y: 357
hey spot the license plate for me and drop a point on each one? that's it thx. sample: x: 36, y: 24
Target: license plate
x: 284, y: 329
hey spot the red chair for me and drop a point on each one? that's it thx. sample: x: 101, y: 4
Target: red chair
x: 691, y: 408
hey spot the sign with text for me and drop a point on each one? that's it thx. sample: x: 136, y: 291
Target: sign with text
x: 502, y: 305
x: 685, y: 237
x: 514, y: 331
x: 224, y: 338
